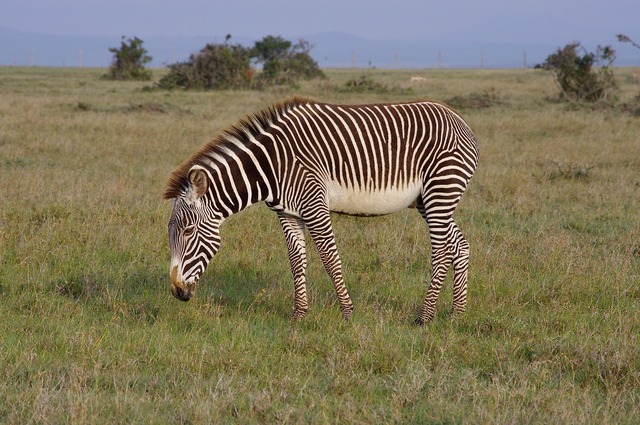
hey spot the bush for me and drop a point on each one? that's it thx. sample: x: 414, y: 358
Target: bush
x: 223, y: 66
x: 364, y: 84
x: 583, y: 78
x: 633, y: 106
x: 284, y: 63
x: 478, y: 100
x: 216, y: 66
x: 129, y: 61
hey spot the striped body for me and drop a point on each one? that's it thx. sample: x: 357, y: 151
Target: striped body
x: 305, y: 159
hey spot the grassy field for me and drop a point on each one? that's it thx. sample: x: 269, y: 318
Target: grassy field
x: 90, y: 333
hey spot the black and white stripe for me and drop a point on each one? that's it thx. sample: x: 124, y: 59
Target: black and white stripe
x: 305, y: 159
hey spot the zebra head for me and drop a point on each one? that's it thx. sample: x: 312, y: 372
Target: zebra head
x: 194, y: 236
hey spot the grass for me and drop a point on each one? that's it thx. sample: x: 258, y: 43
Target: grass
x: 90, y: 333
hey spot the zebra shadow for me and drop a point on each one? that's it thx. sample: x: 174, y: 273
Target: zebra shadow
x: 244, y: 288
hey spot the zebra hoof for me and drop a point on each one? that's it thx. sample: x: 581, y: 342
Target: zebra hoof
x: 421, y: 321
x: 298, y: 314
x: 347, y: 313
x: 457, y: 314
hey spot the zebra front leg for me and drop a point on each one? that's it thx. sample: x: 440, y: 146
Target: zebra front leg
x: 322, y: 234
x: 293, y: 229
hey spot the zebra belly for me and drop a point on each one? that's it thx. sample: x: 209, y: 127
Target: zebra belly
x: 360, y: 201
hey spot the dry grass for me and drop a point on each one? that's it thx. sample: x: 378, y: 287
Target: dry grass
x: 90, y: 333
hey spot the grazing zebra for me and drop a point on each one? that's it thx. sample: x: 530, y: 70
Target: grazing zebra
x: 305, y: 159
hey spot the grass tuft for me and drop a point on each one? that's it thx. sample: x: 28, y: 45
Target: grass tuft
x: 569, y: 171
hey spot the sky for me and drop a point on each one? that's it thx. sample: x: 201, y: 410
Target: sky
x: 398, y: 19
x: 556, y: 22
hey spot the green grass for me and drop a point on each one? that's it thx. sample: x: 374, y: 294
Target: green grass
x: 90, y: 333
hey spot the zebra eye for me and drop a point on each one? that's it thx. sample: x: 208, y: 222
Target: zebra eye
x: 188, y: 231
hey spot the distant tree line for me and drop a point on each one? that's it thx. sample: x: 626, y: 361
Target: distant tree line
x: 580, y: 75
x: 271, y: 61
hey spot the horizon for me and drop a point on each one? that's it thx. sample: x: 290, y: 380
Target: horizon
x: 330, y: 50
x: 410, y: 34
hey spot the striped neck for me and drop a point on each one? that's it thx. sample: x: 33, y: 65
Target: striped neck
x: 241, y: 174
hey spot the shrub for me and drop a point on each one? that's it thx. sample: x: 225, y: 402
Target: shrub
x: 216, y: 66
x: 224, y: 66
x: 478, y: 100
x: 129, y: 61
x: 633, y: 106
x: 364, y: 84
x: 284, y: 63
x: 583, y: 78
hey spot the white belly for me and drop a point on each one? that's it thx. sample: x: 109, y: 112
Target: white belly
x: 359, y: 201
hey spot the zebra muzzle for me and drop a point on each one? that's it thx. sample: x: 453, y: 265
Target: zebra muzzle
x: 179, y: 289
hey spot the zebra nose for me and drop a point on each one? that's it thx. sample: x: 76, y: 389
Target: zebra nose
x: 178, y: 288
x: 181, y: 294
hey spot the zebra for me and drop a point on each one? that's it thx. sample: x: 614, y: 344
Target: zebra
x: 305, y: 159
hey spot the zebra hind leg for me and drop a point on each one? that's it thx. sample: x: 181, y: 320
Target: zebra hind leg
x: 441, y: 258
x: 448, y: 247
x: 293, y: 229
x: 460, y: 273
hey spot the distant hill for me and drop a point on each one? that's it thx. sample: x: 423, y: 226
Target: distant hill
x: 330, y: 49
x: 23, y: 48
x: 337, y: 49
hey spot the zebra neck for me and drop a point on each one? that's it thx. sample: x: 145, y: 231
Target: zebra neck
x: 242, y: 174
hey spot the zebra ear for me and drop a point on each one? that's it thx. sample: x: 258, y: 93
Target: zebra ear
x: 198, y: 182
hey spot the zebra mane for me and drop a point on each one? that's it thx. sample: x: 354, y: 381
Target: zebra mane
x: 243, y: 130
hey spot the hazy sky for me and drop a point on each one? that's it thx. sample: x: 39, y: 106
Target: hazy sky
x: 486, y: 20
